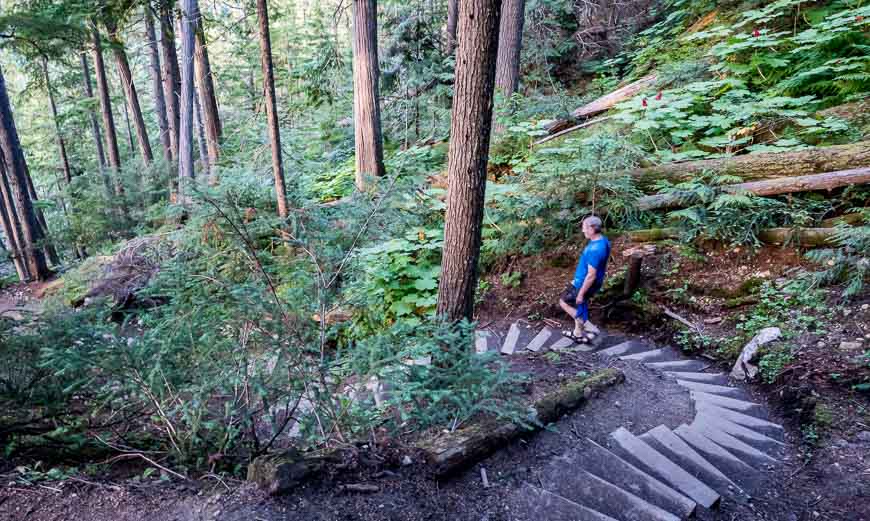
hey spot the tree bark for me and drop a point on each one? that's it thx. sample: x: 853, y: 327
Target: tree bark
x: 130, y: 93
x: 16, y: 169
x: 95, y: 127
x: 510, y: 43
x: 368, y: 139
x: 106, y: 104
x: 753, y: 167
x: 61, y: 144
x: 189, y: 16
x: 807, y: 183
x: 157, y: 86
x: 271, y: 107
x: 469, y: 152
x: 171, y: 74
x: 11, y: 225
x: 208, y: 100
x: 199, y: 134
x: 452, y: 17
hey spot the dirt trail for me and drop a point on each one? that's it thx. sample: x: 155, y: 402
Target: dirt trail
x: 795, y: 491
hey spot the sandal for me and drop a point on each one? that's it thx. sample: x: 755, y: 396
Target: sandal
x: 567, y: 333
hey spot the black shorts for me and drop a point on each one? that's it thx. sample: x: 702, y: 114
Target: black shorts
x: 569, y: 295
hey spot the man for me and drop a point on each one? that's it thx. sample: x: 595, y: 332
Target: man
x: 588, y: 279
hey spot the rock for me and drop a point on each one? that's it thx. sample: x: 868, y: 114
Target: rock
x: 851, y: 346
x: 865, y: 307
x: 407, y: 461
x: 743, y: 368
x: 281, y: 473
x: 863, y: 437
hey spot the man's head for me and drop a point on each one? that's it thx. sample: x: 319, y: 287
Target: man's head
x: 591, y: 227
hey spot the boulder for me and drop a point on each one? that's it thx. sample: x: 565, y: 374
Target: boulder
x: 744, y: 369
x: 283, y: 472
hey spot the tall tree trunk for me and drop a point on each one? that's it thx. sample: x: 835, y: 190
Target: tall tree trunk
x: 207, y: 96
x: 171, y: 74
x: 106, y: 104
x: 189, y: 16
x: 127, y: 122
x: 11, y: 225
x: 108, y: 119
x: 157, y: 86
x: 200, y: 134
x: 16, y: 168
x: 452, y: 16
x: 469, y: 152
x: 130, y: 93
x: 95, y: 126
x: 366, y: 109
x: 510, y: 43
x: 61, y: 144
x: 271, y: 106
x: 40, y: 219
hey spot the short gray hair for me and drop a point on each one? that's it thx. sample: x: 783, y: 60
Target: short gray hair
x: 594, y: 223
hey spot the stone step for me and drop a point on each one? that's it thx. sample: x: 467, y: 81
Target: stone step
x: 625, y: 348
x: 709, y: 378
x: 481, y: 341
x: 754, y: 438
x: 562, y: 343
x: 732, y: 466
x: 509, y: 346
x: 747, y: 453
x: 654, y: 355
x: 608, y: 466
x: 692, y: 366
x: 674, y: 448
x: 540, y: 339
x: 602, y: 496
x: 536, y: 503
x: 770, y: 429
x: 721, y: 390
x: 665, y: 469
x: 728, y: 403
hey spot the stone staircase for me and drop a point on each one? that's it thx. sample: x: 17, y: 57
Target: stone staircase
x: 664, y: 474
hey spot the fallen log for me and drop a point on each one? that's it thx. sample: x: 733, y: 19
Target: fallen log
x: 571, y: 129
x: 463, y: 447
x: 807, y: 183
x: 605, y: 102
x: 806, y: 237
x: 849, y: 218
x: 754, y: 167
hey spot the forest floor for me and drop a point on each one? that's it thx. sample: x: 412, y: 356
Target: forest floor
x: 825, y: 476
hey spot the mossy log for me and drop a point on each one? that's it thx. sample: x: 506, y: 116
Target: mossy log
x: 806, y: 183
x: 283, y: 472
x: 805, y: 237
x: 463, y: 447
x: 849, y: 218
x: 754, y: 167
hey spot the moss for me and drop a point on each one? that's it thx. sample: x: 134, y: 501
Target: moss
x: 823, y: 415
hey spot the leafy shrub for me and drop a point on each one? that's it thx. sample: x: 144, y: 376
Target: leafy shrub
x: 433, y: 377
x: 848, y: 263
x: 735, y: 217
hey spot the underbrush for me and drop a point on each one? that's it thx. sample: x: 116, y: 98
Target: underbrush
x: 240, y: 354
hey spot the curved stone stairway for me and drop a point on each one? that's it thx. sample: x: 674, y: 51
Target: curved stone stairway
x: 664, y: 474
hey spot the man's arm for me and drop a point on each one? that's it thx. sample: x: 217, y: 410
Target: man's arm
x: 587, y: 283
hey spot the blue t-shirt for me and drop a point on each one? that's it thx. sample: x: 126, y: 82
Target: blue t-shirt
x: 595, y: 254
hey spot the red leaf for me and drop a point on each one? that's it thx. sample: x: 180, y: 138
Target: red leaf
x: 644, y: 102
x: 756, y: 33
x: 659, y: 96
